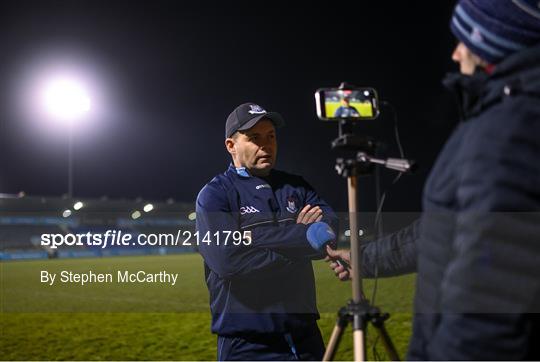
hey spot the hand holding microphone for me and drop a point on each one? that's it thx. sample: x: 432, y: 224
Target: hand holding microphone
x: 339, y: 262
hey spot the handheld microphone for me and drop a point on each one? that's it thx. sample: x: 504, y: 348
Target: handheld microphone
x: 319, y: 234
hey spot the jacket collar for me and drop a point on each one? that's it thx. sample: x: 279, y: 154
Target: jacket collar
x: 242, y: 172
x: 468, y: 91
x: 519, y: 73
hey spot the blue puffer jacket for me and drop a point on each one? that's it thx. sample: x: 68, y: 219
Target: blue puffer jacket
x: 268, y: 286
x: 477, y: 246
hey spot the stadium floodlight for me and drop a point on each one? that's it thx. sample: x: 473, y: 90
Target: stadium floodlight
x: 66, y: 213
x: 148, y: 207
x: 347, y: 232
x: 192, y: 216
x: 136, y: 214
x: 78, y: 205
x: 65, y: 99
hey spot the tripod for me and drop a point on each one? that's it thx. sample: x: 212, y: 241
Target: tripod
x: 358, y: 311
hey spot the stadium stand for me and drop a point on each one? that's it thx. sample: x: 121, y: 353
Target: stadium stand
x: 24, y: 219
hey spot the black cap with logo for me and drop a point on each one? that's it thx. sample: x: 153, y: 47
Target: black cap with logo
x: 247, y: 115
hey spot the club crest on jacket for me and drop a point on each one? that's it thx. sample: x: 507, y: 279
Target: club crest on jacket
x: 291, y: 205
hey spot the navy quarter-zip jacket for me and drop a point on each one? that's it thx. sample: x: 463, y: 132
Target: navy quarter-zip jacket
x: 267, y: 286
x: 476, y: 248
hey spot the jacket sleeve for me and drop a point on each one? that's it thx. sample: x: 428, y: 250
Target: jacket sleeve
x: 291, y: 239
x: 394, y: 254
x: 288, y: 240
x: 229, y: 261
x: 492, y: 281
x: 329, y: 216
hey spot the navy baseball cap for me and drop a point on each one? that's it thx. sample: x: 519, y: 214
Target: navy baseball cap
x: 247, y: 115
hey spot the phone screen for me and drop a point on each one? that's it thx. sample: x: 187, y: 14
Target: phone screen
x: 348, y: 104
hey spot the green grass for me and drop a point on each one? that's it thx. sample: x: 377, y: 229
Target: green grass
x: 150, y: 321
x: 365, y: 109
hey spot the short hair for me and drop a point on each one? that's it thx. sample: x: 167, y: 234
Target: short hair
x: 235, y: 135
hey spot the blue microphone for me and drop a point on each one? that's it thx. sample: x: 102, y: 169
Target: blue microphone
x: 319, y: 234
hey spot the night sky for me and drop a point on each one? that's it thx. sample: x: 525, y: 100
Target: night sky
x: 167, y: 73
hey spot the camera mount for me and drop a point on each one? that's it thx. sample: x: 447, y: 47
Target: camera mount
x: 358, y: 310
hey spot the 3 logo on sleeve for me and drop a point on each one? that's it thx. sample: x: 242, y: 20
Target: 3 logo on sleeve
x: 248, y: 210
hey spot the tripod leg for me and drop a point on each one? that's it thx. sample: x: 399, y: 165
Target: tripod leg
x: 359, y: 337
x: 387, y: 342
x: 359, y: 345
x: 333, y: 343
x: 335, y: 338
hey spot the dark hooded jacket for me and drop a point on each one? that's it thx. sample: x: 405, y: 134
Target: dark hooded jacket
x: 476, y: 248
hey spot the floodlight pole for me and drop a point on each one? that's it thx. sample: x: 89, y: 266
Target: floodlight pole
x: 66, y: 101
x: 70, y: 160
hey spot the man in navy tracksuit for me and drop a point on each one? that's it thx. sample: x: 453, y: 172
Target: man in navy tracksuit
x: 262, y: 292
x: 346, y: 110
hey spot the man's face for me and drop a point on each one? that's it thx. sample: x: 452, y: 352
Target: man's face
x: 255, y: 148
x: 466, y: 59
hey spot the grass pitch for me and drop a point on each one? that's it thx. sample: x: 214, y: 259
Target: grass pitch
x: 151, y: 321
x: 365, y: 109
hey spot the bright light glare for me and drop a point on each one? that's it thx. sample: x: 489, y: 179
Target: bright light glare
x: 66, y: 213
x: 65, y: 99
x: 136, y: 214
x: 348, y: 232
x: 192, y: 216
x: 148, y: 207
x: 78, y: 205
